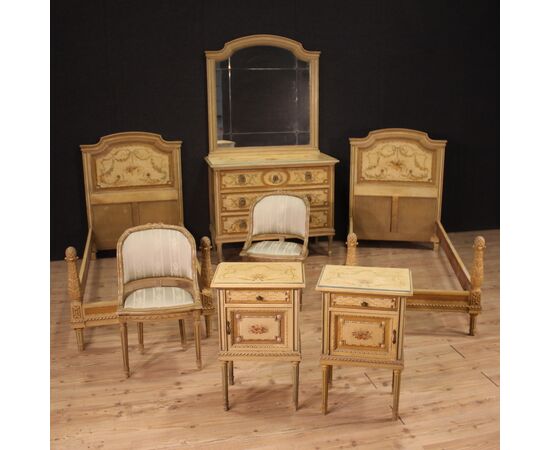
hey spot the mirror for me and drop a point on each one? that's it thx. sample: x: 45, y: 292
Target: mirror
x: 262, y: 92
x: 262, y: 98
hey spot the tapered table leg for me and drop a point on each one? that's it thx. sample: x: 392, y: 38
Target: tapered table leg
x: 224, y: 386
x: 140, y: 336
x: 231, y: 378
x: 396, y: 392
x: 295, y: 383
x: 324, y: 399
x: 183, y: 338
x: 124, y: 341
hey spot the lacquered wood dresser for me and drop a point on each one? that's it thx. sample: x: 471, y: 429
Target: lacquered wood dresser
x: 363, y: 321
x: 258, y: 315
x: 263, y: 110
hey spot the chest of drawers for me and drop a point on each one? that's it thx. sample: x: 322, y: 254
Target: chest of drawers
x: 258, y: 312
x: 363, y: 321
x: 234, y: 184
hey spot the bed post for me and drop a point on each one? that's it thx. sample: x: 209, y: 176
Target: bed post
x: 351, y: 256
x: 477, y: 281
x: 75, y: 296
x: 206, y: 278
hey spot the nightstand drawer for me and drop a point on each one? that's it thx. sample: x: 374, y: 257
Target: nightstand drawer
x: 357, y: 334
x: 319, y: 218
x: 259, y: 328
x: 264, y: 296
x: 363, y: 302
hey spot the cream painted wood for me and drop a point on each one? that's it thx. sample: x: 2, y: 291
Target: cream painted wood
x: 238, y: 175
x: 258, y: 320
x: 364, y: 327
x: 450, y: 395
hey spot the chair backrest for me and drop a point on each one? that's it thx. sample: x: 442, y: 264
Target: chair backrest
x: 280, y: 213
x: 156, y: 250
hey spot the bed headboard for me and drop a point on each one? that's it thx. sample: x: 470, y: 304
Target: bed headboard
x: 131, y: 179
x: 396, y: 185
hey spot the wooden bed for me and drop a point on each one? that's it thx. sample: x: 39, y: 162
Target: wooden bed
x: 396, y: 186
x: 130, y: 179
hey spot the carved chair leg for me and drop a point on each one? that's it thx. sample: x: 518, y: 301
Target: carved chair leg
x: 124, y: 341
x: 295, y: 383
x: 197, y: 323
x: 230, y: 374
x: 140, y: 336
x: 79, y: 332
x: 396, y: 391
x: 208, y: 325
x: 324, y: 399
x: 473, y: 324
x: 224, y: 386
x: 330, y: 375
x: 183, y: 339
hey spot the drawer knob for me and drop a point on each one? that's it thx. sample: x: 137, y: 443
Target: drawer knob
x: 238, y: 339
x: 242, y: 224
x: 237, y: 316
x: 278, y: 317
x: 242, y: 202
x: 259, y: 298
x: 364, y: 304
x: 278, y: 339
x: 241, y: 179
x: 308, y: 176
x: 382, y: 345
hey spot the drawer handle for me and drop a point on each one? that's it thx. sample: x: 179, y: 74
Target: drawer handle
x: 242, y: 202
x: 241, y: 179
x: 259, y: 297
x: 308, y: 176
x: 275, y: 178
x: 394, y: 338
x: 364, y: 304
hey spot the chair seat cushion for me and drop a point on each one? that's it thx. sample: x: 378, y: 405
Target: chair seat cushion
x: 275, y: 248
x: 158, y: 297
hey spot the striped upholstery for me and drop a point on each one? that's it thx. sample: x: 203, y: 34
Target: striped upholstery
x: 158, y: 297
x: 156, y: 253
x: 280, y: 214
x: 275, y: 248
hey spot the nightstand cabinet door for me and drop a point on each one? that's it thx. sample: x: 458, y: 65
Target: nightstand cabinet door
x: 359, y: 334
x: 259, y: 328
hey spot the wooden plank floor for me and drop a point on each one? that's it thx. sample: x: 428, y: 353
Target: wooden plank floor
x: 450, y: 386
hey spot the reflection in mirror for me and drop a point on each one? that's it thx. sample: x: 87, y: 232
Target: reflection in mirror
x: 262, y: 96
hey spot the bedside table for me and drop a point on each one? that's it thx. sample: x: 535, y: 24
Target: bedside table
x: 363, y: 320
x: 258, y: 315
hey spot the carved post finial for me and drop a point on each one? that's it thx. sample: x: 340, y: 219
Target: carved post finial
x: 351, y: 256
x: 206, y: 272
x: 477, y: 281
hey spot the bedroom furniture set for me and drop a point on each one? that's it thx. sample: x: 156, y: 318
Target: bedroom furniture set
x: 268, y: 182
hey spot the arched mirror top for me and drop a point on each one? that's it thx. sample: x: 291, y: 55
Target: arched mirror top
x: 262, y: 96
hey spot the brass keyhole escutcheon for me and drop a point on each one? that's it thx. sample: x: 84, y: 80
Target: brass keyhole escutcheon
x: 308, y: 176
x: 242, y: 202
x: 259, y: 297
x: 364, y: 304
x: 275, y: 178
x: 241, y: 179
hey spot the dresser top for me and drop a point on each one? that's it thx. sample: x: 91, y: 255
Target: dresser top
x: 262, y: 159
x: 367, y: 280
x: 259, y: 275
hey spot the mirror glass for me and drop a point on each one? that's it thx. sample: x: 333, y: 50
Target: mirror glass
x: 262, y: 96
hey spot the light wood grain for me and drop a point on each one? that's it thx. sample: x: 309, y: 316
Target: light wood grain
x: 449, y: 388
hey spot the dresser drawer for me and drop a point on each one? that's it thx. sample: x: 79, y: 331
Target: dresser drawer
x: 269, y: 296
x: 358, y: 334
x: 234, y: 224
x: 237, y: 202
x: 259, y: 328
x: 319, y: 218
x: 362, y: 302
x: 305, y: 176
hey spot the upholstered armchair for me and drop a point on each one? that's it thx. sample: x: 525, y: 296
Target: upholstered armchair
x: 157, y: 280
x: 273, y: 218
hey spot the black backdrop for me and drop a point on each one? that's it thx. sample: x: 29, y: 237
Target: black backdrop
x: 139, y: 65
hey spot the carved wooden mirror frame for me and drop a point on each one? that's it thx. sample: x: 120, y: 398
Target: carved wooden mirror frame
x: 312, y: 57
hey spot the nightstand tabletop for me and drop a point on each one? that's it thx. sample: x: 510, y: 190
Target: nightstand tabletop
x: 259, y: 275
